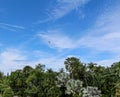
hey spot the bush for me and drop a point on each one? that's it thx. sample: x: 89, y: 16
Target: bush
x: 8, y: 92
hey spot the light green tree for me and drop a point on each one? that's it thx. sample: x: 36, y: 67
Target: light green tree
x: 91, y: 92
x: 74, y: 87
x: 8, y: 92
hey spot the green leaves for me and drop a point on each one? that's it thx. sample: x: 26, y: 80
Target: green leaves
x: 91, y: 92
x: 62, y: 79
x: 74, y: 87
x: 8, y: 92
x: 79, y: 80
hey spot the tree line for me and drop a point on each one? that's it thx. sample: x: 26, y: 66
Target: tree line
x: 76, y: 80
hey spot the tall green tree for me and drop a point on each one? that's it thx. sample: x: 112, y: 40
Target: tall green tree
x: 75, y: 67
x: 17, y: 82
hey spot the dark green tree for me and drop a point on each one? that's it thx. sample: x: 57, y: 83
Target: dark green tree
x: 75, y: 67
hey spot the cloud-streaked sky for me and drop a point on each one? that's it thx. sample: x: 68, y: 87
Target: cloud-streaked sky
x: 49, y: 31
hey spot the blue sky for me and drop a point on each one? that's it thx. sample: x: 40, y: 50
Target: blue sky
x: 49, y: 31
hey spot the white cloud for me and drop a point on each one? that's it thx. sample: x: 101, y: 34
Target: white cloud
x: 62, y: 8
x: 66, y: 6
x: 11, y: 27
x: 13, y: 59
x: 105, y: 34
x: 52, y: 62
x: 108, y: 62
x: 108, y: 42
x: 56, y: 40
x: 9, y: 60
x: 109, y: 21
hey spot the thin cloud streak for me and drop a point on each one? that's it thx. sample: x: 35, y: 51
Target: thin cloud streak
x: 11, y: 27
x: 62, y: 8
x: 66, y: 6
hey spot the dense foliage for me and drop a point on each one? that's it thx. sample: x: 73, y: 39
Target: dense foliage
x: 77, y: 80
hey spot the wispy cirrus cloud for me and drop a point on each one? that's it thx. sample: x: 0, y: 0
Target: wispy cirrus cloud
x: 11, y: 27
x: 104, y: 36
x: 62, y: 8
x: 54, y: 39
